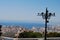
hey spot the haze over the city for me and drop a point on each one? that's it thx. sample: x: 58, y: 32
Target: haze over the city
x: 26, y: 10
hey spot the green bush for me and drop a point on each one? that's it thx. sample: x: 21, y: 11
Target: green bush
x: 53, y: 34
x: 30, y: 35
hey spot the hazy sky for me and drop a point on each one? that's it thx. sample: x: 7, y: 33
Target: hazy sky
x: 26, y: 10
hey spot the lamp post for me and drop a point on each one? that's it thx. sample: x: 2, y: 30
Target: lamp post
x: 46, y: 16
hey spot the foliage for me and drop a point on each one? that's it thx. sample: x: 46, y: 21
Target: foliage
x: 53, y: 34
x: 30, y: 35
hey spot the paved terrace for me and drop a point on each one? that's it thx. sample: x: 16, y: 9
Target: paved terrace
x: 51, y: 38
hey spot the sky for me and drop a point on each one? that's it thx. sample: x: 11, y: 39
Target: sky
x: 26, y: 10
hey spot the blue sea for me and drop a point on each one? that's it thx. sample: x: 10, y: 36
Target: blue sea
x: 23, y: 24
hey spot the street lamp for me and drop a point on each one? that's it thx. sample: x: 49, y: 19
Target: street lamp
x: 46, y: 16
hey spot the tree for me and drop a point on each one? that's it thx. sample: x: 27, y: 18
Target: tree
x: 0, y: 30
x: 30, y: 35
x: 53, y: 34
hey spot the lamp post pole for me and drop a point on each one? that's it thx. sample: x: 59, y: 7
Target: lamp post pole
x: 46, y: 16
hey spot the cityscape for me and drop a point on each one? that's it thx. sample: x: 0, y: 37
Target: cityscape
x: 17, y: 29
x: 29, y: 20
x: 13, y: 31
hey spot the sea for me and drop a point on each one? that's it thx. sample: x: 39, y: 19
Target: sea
x: 23, y: 24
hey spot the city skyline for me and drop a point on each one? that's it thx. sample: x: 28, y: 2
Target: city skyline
x: 26, y: 10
